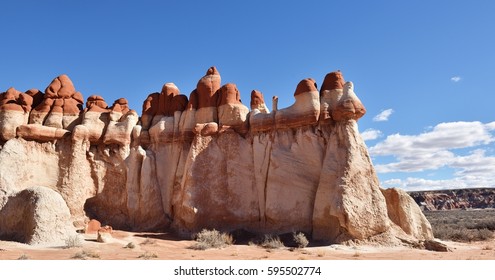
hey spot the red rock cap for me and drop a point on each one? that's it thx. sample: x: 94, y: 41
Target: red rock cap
x: 193, y: 101
x: 229, y: 94
x: 169, y: 90
x: 14, y: 100
x: 256, y: 99
x: 333, y: 80
x: 120, y: 105
x: 179, y: 103
x: 71, y: 106
x: 96, y: 103
x: 44, y: 106
x: 37, y: 96
x: 151, y: 104
x: 305, y: 85
x: 60, y: 87
x: 207, y: 88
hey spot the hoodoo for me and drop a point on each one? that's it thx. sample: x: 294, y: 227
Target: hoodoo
x: 207, y: 161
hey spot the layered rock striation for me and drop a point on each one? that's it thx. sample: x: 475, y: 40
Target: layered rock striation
x: 206, y: 161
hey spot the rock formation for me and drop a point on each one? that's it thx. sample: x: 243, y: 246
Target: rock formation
x: 476, y: 198
x: 205, y: 161
x: 37, y: 216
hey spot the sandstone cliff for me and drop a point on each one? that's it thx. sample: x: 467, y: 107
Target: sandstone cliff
x: 206, y: 161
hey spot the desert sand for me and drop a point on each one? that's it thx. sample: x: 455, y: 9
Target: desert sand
x: 163, y: 246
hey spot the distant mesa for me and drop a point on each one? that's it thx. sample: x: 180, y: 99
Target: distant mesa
x: 189, y: 163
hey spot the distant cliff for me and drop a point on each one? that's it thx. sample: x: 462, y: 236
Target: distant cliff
x: 455, y: 199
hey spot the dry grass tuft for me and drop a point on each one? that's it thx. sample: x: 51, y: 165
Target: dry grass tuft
x: 84, y: 255
x: 148, y: 256
x: 300, y: 239
x: 272, y: 242
x: 207, y: 239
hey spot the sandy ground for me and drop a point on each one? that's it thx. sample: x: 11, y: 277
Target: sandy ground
x: 166, y: 247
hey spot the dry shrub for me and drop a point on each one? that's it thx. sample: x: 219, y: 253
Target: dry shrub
x: 148, y: 256
x: 272, y: 242
x: 73, y: 241
x: 300, y: 239
x: 84, y: 255
x: 207, y: 239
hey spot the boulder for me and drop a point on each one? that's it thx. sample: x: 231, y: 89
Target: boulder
x: 93, y: 226
x: 404, y: 212
x: 36, y: 216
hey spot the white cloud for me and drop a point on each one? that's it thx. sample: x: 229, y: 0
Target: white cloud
x: 475, y: 164
x: 436, y: 149
x: 383, y: 116
x: 443, y: 137
x: 371, y: 134
x: 455, y: 79
x: 421, y: 184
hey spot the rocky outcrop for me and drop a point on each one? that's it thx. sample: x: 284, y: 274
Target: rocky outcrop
x: 403, y: 211
x: 61, y: 105
x: 14, y: 112
x: 475, y: 198
x: 205, y: 161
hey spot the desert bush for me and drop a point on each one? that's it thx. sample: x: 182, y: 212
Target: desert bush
x: 84, y: 255
x: 300, y: 239
x: 207, y: 239
x: 73, y: 241
x: 148, y: 256
x: 272, y: 242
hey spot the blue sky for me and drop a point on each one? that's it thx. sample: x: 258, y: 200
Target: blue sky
x: 423, y: 69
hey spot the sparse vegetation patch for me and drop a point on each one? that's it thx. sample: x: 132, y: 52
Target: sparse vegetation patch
x: 272, y: 242
x: 84, y: 255
x: 148, y: 256
x: 207, y: 239
x: 462, y: 225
